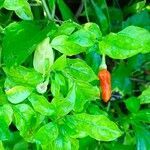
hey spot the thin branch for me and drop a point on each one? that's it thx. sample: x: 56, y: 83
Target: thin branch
x: 46, y: 9
x: 86, y: 11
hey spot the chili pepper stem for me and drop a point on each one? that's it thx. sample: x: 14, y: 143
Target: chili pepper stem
x: 103, y: 63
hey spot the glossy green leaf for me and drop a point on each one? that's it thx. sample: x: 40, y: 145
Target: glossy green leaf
x: 46, y: 134
x: 67, y: 28
x: 132, y: 104
x: 85, y: 92
x: 43, y: 57
x: 3, y: 97
x: 78, y: 69
x: 18, y: 94
x: 21, y: 8
x: 83, y: 38
x: 25, y: 119
x: 66, y: 46
x: 24, y: 36
x: 98, y: 127
x: 64, y: 105
x: 145, y: 96
x: 60, y: 63
x: 23, y: 75
x: 94, y: 29
x: 6, y: 113
x: 125, y: 43
x: 41, y: 104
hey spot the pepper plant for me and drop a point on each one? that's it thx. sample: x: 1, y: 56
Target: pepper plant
x: 50, y: 96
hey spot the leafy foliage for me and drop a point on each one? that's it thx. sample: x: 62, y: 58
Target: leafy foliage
x: 50, y: 53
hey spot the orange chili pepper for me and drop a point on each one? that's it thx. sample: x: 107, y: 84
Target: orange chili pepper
x: 105, y: 84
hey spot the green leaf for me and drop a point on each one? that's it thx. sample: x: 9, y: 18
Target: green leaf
x: 21, y: 8
x: 41, y: 104
x: 94, y: 29
x: 143, y: 115
x: 60, y: 63
x: 78, y: 69
x: 83, y: 38
x: 121, y: 80
x: 64, y: 105
x: 133, y: 104
x: 142, y: 137
x: 1, y: 3
x: 46, y: 134
x: 98, y: 127
x: 1, y: 146
x: 18, y: 94
x: 43, y: 57
x: 65, y: 10
x: 3, y: 97
x: 6, y: 116
x: 21, y: 39
x: 25, y: 119
x: 6, y: 113
x: 100, y: 9
x: 66, y: 46
x: 23, y: 75
x: 125, y: 43
x: 4, y: 131
x: 85, y: 92
x: 137, y: 20
x: 145, y: 96
x: 67, y: 28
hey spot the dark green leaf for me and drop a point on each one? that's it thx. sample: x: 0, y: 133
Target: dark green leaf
x: 132, y: 104
x: 21, y: 39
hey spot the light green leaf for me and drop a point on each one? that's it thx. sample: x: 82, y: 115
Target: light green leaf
x: 1, y: 146
x: 60, y: 63
x: 65, y: 46
x: 18, y: 94
x: 21, y: 7
x: 25, y: 119
x: 85, y: 92
x: 23, y: 75
x: 94, y: 29
x: 145, y: 96
x: 6, y: 113
x: 41, y: 104
x: 43, y: 57
x: 98, y: 127
x: 64, y: 105
x: 125, y: 43
x: 46, y: 134
x: 78, y: 69
x: 3, y: 97
x: 83, y: 38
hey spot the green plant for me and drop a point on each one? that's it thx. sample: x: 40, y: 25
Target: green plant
x: 49, y: 88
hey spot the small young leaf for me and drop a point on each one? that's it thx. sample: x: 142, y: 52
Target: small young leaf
x: 145, y: 96
x: 43, y: 57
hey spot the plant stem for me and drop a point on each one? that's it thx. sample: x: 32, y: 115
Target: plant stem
x: 103, y: 63
x: 46, y: 9
x: 86, y: 11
